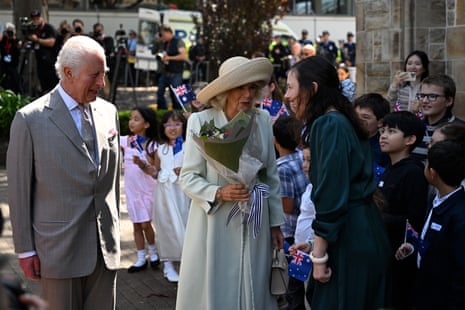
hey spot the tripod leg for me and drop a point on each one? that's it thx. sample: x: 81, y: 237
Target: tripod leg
x: 131, y: 80
x: 114, y: 80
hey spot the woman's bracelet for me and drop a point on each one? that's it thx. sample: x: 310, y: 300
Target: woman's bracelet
x: 318, y: 260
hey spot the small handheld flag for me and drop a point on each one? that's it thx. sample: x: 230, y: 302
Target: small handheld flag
x: 275, y: 108
x: 300, y: 266
x: 184, y: 94
x: 397, y: 107
x: 410, y: 233
x: 136, y: 142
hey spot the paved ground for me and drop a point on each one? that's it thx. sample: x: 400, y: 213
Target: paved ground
x: 147, y: 289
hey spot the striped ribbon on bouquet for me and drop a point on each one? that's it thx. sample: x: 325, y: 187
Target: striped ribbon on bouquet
x: 259, y: 192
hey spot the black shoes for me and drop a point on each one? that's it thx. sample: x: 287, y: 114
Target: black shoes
x: 134, y: 269
x: 154, y: 264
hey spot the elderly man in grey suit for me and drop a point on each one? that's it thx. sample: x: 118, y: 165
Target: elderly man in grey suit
x: 63, y: 184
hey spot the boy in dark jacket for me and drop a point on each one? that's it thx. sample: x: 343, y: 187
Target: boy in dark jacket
x: 405, y: 190
x: 441, y: 254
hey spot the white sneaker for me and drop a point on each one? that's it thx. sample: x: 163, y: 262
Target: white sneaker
x: 170, y: 273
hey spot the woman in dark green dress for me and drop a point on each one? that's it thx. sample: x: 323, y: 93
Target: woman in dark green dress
x: 351, y: 251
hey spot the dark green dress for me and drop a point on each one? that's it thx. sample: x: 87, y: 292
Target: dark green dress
x: 358, y: 248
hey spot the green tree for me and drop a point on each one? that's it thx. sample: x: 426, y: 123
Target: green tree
x: 236, y: 27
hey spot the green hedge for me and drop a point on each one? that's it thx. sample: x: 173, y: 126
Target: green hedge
x: 9, y: 104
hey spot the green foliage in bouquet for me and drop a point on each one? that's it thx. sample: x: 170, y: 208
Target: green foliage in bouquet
x: 225, y: 144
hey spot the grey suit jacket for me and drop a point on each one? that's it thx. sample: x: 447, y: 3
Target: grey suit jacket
x: 61, y: 204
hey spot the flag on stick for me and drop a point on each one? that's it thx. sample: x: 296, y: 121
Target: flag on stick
x: 184, y: 94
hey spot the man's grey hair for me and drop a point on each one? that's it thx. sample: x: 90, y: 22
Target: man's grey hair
x: 74, y: 54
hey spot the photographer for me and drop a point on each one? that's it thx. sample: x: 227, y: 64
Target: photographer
x: 108, y: 45
x: 78, y: 27
x: 105, y: 41
x: 44, y: 37
x: 173, y: 53
x: 9, y: 49
x: 65, y: 31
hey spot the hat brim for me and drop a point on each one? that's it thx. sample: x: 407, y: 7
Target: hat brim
x: 252, y: 70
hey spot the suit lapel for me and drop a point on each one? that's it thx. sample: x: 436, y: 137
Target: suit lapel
x: 99, y: 126
x: 61, y: 117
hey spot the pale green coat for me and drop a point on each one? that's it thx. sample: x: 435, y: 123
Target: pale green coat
x: 223, y: 267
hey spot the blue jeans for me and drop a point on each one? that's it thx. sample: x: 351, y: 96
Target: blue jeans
x: 165, y: 80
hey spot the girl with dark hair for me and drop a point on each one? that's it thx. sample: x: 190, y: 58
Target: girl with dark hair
x: 406, y: 84
x: 139, y: 185
x: 350, y: 252
x: 171, y: 204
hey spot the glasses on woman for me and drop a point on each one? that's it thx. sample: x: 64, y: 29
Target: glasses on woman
x: 175, y: 124
x: 429, y: 97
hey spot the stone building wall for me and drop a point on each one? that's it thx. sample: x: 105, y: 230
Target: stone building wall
x: 388, y: 30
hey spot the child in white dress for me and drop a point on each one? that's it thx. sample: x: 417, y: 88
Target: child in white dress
x: 171, y: 204
x: 138, y: 182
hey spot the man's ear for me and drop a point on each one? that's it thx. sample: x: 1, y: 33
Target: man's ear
x: 68, y: 72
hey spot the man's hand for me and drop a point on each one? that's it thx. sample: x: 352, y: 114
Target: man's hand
x: 31, y: 267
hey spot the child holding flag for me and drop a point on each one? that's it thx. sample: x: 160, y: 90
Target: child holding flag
x: 441, y: 254
x: 171, y: 204
x: 138, y: 182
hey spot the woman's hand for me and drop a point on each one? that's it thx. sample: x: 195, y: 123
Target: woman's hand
x: 277, y: 237
x: 400, y: 77
x: 405, y: 250
x: 322, y: 273
x: 234, y: 192
x: 301, y: 246
x: 177, y: 170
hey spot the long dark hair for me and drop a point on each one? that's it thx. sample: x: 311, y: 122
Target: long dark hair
x: 424, y: 61
x: 150, y: 117
x: 328, y: 95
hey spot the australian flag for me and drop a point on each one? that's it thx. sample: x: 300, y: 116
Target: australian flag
x: 136, y: 142
x: 397, y: 107
x: 275, y: 108
x: 411, y: 235
x: 184, y: 94
x: 300, y: 266
x: 414, y: 238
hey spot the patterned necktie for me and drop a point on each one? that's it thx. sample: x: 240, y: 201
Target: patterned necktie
x: 87, y: 132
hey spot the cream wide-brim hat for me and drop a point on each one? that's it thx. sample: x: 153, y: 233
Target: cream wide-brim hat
x: 237, y: 71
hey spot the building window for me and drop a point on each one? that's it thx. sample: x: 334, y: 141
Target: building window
x: 322, y: 7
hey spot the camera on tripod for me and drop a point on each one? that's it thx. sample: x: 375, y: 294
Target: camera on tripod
x: 121, y: 38
x: 27, y: 26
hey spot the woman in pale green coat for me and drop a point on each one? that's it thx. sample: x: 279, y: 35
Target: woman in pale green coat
x: 223, y: 265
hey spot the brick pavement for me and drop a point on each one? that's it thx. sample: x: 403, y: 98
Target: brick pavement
x: 140, y: 291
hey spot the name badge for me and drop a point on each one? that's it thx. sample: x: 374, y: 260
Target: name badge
x: 436, y: 226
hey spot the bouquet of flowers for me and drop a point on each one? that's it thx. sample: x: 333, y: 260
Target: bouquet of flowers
x: 233, y: 154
